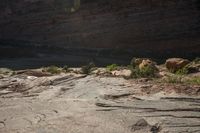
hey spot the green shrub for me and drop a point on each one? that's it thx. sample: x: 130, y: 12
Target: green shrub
x: 112, y: 67
x: 182, y: 71
x: 136, y: 61
x: 13, y: 73
x: 65, y: 68
x: 146, y: 72
x: 5, y: 71
x: 194, y: 80
x: 175, y: 79
x: 88, y: 68
x: 53, y: 70
x: 85, y: 69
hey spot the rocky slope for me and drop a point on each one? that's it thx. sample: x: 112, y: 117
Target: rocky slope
x: 101, y: 100
x: 71, y: 103
x: 144, y: 27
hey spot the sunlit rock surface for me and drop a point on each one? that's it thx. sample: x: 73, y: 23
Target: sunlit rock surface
x: 74, y: 103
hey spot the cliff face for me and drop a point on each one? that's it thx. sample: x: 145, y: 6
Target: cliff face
x: 151, y: 26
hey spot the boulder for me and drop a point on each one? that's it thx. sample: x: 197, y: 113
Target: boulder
x: 142, y: 62
x: 149, y: 66
x: 146, y: 63
x: 174, y: 64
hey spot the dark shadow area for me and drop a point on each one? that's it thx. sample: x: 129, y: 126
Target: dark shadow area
x: 74, y: 33
x: 198, y: 4
x: 22, y: 55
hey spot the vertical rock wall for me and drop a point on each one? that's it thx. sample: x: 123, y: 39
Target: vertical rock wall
x: 144, y: 26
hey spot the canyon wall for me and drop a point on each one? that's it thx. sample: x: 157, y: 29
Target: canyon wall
x: 143, y: 26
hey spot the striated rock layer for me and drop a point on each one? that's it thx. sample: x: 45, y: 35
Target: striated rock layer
x: 71, y: 103
x: 144, y: 27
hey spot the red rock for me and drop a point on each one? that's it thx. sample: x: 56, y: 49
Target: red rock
x: 174, y: 64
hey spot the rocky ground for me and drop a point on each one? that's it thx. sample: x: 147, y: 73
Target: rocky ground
x: 34, y: 101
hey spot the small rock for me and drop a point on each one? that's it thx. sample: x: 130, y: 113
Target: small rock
x: 2, y: 124
x: 31, y: 77
x: 125, y: 73
x: 163, y: 73
x: 141, y: 124
x: 137, y: 61
x: 1, y: 76
x: 147, y: 63
x: 156, y: 128
x: 144, y: 79
x: 174, y: 64
x: 146, y: 86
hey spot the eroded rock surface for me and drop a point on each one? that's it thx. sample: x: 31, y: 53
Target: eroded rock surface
x: 174, y: 64
x: 74, y: 103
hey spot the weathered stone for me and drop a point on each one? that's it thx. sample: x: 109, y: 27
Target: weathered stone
x: 141, y: 124
x: 124, y: 73
x: 174, y: 64
x: 147, y: 63
x: 35, y: 73
x: 156, y: 128
x: 142, y: 62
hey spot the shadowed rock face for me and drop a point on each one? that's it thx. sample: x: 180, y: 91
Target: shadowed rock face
x: 147, y: 27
